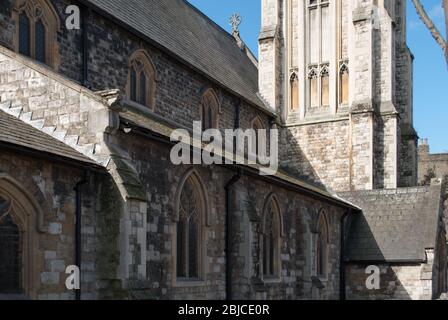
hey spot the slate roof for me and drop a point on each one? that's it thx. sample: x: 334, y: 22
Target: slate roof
x: 395, y: 225
x: 16, y: 132
x: 183, y: 30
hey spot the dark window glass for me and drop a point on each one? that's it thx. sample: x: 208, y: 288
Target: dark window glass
x: 320, y: 256
x: 321, y: 250
x: 193, y: 247
x: 133, y: 88
x: 188, y: 235
x: 142, y: 89
x: 10, y: 256
x: 210, y: 119
x: 40, y: 42
x: 24, y: 35
x: 210, y: 110
x: 181, y: 252
x: 207, y: 117
x: 257, y: 141
x: 265, y: 255
x: 268, y: 254
x: 271, y: 254
x: 269, y: 244
x: 205, y: 113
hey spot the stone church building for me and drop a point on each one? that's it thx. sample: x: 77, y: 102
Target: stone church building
x: 86, y: 179
x: 430, y: 165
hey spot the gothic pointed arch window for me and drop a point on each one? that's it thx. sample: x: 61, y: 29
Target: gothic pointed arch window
x: 10, y: 251
x: 37, y: 24
x: 271, y: 240
x: 257, y: 123
x: 191, y: 208
x: 294, y: 84
x: 322, y: 243
x: 209, y: 109
x: 141, y: 87
x: 344, y: 84
x: 313, y: 88
x: 325, y: 87
x: 21, y: 222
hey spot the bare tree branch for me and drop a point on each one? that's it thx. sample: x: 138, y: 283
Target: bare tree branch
x: 445, y: 5
x: 432, y: 28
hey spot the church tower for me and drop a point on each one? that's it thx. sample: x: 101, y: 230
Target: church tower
x: 339, y: 73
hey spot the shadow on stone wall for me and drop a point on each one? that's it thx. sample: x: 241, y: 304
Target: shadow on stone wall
x: 363, y: 252
x: 294, y: 162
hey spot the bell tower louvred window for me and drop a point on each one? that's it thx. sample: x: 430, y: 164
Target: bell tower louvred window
x: 319, y: 52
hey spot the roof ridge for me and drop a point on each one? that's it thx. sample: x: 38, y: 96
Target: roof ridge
x: 209, y: 20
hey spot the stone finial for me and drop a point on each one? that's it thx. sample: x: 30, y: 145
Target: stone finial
x: 235, y: 21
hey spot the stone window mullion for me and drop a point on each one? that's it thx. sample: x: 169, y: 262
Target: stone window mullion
x: 317, y: 58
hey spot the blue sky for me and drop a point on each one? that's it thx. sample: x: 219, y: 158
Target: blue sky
x: 430, y: 70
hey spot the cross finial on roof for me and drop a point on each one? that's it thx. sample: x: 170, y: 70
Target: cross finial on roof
x: 235, y: 21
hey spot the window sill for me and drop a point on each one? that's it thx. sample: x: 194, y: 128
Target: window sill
x: 13, y: 297
x: 189, y: 284
x: 136, y: 104
x: 323, y: 279
x: 318, y: 282
x: 271, y: 280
